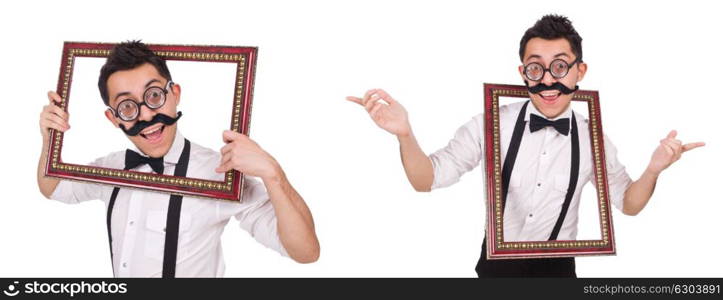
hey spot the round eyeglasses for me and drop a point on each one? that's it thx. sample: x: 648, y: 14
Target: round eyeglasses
x: 154, y: 97
x: 558, y: 69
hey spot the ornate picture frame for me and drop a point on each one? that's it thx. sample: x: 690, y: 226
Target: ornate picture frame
x: 240, y: 109
x: 497, y: 247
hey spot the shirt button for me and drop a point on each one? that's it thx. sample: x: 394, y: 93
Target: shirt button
x: 164, y: 229
x: 125, y: 265
x: 538, y: 184
x: 544, y: 152
x: 130, y: 223
x: 530, y: 215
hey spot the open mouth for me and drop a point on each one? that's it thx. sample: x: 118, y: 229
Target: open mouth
x: 549, y: 96
x: 153, y: 134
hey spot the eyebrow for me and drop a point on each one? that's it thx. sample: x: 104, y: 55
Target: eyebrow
x: 556, y: 55
x: 128, y: 93
x: 156, y: 80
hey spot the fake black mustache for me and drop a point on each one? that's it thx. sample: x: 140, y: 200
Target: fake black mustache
x: 140, y: 125
x: 555, y: 86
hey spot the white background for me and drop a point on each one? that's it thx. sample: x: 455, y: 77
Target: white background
x: 657, y: 66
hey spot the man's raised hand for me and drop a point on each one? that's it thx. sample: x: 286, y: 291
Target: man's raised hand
x: 386, y: 112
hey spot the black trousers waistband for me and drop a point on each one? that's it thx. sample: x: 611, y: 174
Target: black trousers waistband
x: 532, y: 267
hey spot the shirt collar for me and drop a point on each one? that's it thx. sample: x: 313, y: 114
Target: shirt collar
x: 176, y: 148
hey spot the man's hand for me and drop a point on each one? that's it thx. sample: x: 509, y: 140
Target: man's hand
x: 294, y: 222
x: 391, y: 116
x: 386, y: 112
x: 639, y: 192
x: 668, y: 152
x: 53, y: 117
x: 244, y: 155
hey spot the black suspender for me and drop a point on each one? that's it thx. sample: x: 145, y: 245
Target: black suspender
x: 574, y: 172
x: 509, y: 164
x: 107, y: 223
x: 173, y: 219
x: 512, y: 153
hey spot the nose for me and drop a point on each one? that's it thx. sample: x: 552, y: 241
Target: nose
x: 146, y: 113
x: 547, y: 78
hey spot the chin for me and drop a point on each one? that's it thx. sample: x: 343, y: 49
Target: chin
x: 155, y: 142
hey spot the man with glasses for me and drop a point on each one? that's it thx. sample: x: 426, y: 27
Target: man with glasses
x: 135, y: 84
x: 552, y: 65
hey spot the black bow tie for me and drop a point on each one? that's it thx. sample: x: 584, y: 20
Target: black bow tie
x: 134, y: 159
x: 561, y: 125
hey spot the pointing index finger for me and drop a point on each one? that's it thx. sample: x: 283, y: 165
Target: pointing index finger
x: 356, y: 100
x: 692, y: 146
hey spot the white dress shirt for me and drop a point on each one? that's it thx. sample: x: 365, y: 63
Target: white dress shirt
x: 139, y: 217
x: 541, y: 174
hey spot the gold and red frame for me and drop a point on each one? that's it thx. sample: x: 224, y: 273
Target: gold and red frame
x: 497, y: 248
x: 229, y: 189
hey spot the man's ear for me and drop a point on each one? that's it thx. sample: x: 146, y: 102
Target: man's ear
x: 109, y: 115
x: 176, y: 90
x: 581, y: 70
x: 521, y: 69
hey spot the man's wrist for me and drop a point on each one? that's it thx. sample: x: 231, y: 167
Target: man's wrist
x: 275, y: 174
x: 407, y: 135
x: 650, y: 173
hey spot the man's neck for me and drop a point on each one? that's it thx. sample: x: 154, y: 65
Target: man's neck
x: 550, y: 117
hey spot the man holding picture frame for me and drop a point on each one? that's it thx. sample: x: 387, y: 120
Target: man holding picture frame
x: 154, y: 234
x: 552, y: 66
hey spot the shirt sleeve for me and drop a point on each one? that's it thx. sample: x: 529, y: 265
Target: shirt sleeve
x: 73, y: 192
x: 461, y: 155
x: 257, y: 216
x: 618, y: 178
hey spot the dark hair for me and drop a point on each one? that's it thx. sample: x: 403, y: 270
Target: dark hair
x: 552, y: 27
x: 129, y: 55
